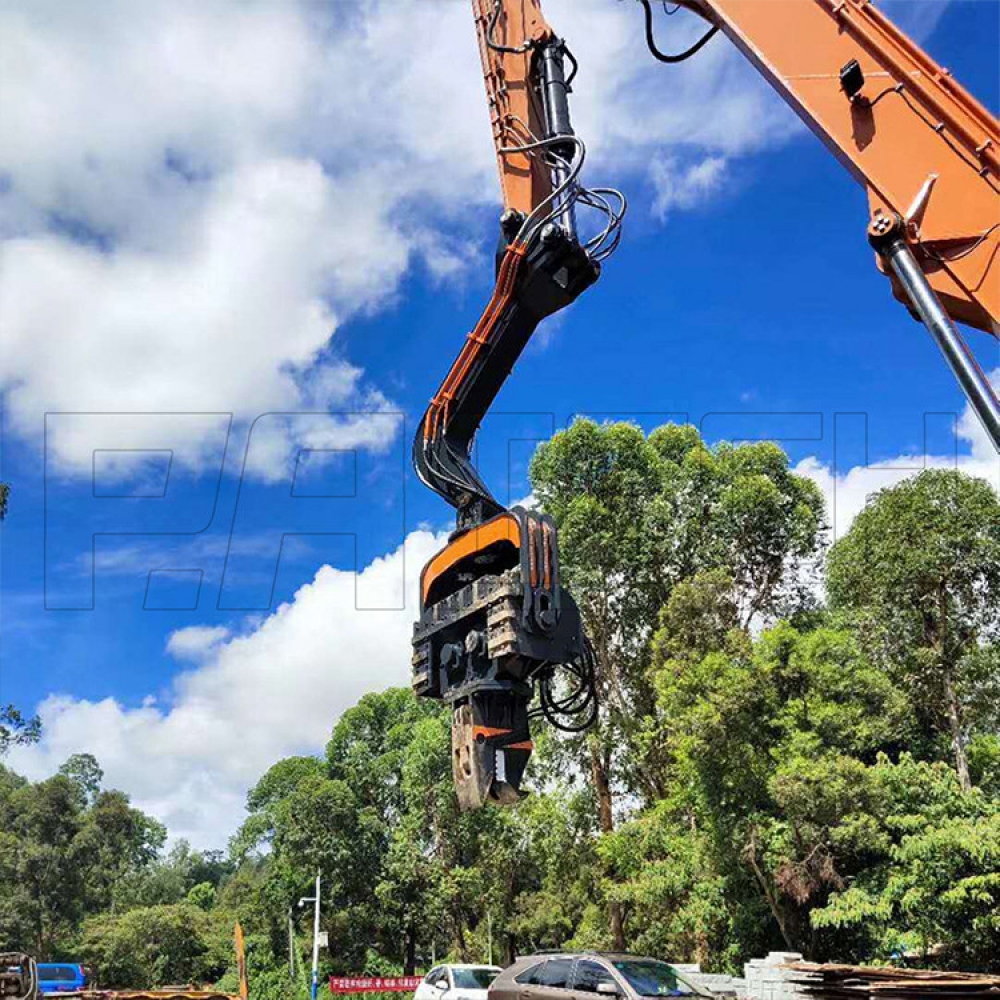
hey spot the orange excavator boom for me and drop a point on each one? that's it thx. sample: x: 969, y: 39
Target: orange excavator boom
x: 925, y: 150
x: 509, y: 35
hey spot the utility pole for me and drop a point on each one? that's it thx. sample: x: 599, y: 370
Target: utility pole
x: 315, y: 970
x: 489, y: 937
x: 314, y: 987
x: 291, y: 947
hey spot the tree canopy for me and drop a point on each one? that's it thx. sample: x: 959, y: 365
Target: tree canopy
x: 796, y: 749
x: 919, y: 572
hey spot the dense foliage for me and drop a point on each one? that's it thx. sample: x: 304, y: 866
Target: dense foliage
x: 769, y: 770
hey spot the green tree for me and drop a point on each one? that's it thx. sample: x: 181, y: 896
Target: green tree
x: 280, y: 781
x: 202, y: 895
x: 62, y: 857
x: 920, y: 573
x: 636, y: 517
x: 115, y: 840
x: 84, y: 771
x: 337, y: 817
x: 16, y: 730
x: 169, y: 878
x: 740, y: 508
x: 41, y: 877
x: 157, y: 946
x: 406, y: 874
x: 932, y: 880
x: 762, y: 741
x: 668, y: 879
x: 602, y: 485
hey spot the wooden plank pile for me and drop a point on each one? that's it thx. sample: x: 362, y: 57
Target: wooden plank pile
x: 858, y: 982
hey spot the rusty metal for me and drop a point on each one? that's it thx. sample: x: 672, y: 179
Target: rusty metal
x: 239, y: 944
x: 18, y: 976
x: 162, y: 993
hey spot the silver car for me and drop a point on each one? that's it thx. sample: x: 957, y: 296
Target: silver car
x: 579, y: 976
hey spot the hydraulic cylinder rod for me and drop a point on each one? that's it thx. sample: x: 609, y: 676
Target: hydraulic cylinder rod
x: 555, y: 102
x: 886, y: 237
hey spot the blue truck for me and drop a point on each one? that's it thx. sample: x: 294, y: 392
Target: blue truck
x: 61, y: 977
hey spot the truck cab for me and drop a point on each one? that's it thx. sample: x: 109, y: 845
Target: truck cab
x: 61, y: 977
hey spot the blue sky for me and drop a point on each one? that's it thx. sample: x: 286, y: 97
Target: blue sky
x: 338, y: 250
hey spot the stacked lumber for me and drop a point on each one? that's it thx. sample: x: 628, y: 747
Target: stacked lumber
x: 859, y: 982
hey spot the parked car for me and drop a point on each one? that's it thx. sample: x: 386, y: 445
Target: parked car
x: 457, y: 982
x: 61, y: 977
x: 576, y: 976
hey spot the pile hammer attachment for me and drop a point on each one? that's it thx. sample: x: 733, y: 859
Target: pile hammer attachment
x: 494, y: 621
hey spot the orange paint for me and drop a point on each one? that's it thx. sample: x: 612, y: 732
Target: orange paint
x: 499, y: 529
x: 488, y: 732
x: 513, y: 106
x: 911, y: 121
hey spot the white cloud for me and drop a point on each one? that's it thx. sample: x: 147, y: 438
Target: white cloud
x: 848, y: 492
x: 250, y: 700
x: 196, y: 642
x: 276, y: 441
x: 918, y: 20
x: 195, y: 196
x: 228, y: 321
x: 627, y: 106
x: 684, y: 187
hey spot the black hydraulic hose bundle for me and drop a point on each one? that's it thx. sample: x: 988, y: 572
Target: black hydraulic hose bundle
x: 666, y: 57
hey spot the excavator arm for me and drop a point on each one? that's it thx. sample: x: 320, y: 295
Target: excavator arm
x: 925, y: 150
x: 496, y: 628
x: 542, y: 263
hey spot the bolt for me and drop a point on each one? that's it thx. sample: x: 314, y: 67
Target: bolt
x: 551, y: 233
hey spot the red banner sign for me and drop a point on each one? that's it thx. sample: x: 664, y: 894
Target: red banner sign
x: 385, y: 984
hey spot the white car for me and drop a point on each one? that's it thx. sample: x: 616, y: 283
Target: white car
x: 457, y: 982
